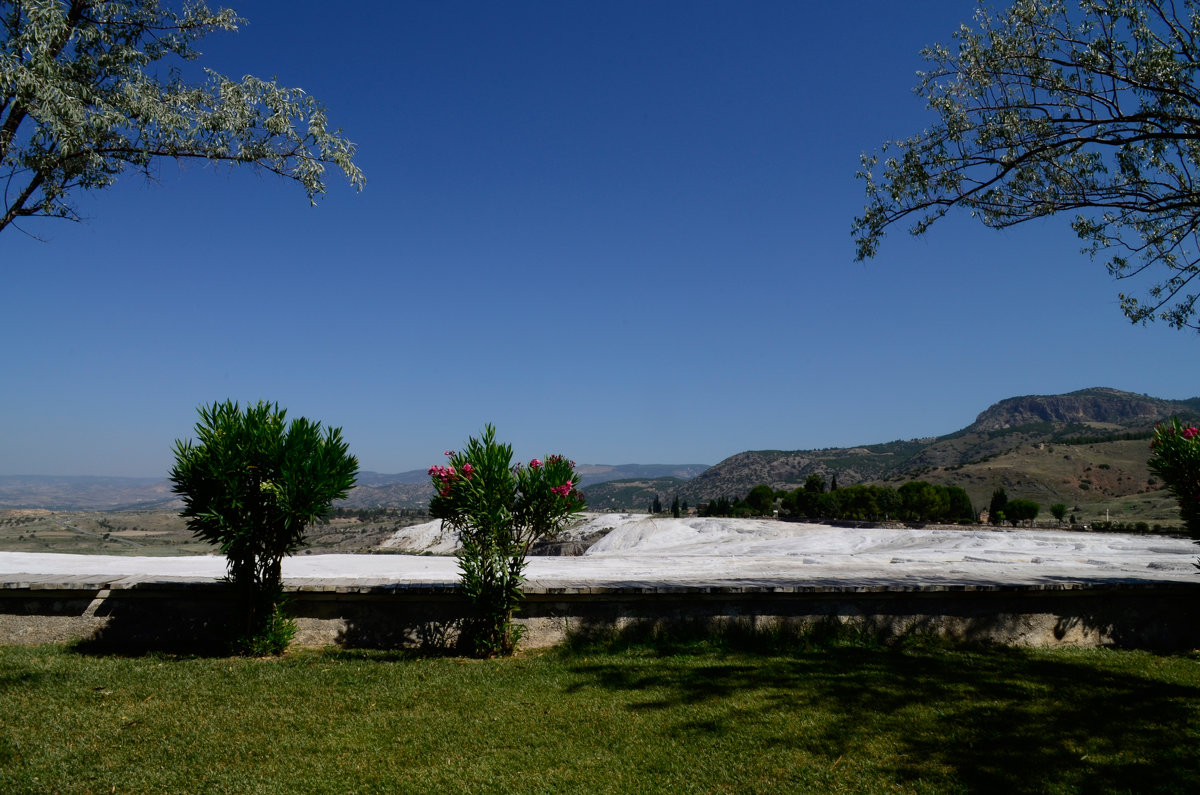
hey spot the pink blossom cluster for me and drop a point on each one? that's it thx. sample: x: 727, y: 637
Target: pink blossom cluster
x: 534, y: 464
x: 447, y: 475
x: 1188, y: 433
x: 563, y: 490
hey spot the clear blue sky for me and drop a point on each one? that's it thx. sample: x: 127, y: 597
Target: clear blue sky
x: 620, y: 231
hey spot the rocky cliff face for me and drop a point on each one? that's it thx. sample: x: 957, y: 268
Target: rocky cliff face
x: 1098, y: 405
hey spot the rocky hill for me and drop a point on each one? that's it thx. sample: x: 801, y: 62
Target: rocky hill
x: 636, y: 494
x: 1097, y: 406
x: 1085, y: 447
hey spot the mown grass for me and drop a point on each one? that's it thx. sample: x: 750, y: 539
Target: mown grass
x: 641, y: 718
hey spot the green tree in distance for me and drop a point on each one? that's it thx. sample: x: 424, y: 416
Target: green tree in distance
x: 1088, y: 107
x: 921, y: 501
x: 761, y: 500
x: 81, y: 102
x: 251, y: 484
x: 959, y: 505
x: 997, y: 505
x: 1017, y: 511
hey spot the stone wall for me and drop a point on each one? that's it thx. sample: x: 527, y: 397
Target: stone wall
x: 194, y: 616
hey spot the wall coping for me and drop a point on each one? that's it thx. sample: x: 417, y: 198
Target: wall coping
x: 539, y: 588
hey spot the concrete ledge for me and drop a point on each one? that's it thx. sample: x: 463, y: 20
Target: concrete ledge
x: 135, y: 614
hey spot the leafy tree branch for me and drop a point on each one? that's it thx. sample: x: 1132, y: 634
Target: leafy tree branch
x: 1089, y: 107
x: 80, y: 104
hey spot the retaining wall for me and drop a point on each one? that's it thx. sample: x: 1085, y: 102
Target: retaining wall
x: 137, y: 615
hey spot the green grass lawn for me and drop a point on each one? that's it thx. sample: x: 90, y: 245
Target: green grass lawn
x: 838, y: 719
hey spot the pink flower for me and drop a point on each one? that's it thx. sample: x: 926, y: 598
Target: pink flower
x: 449, y: 452
x: 444, y: 474
x: 1190, y: 432
x: 534, y: 464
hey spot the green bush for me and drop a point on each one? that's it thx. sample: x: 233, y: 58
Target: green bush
x: 251, y: 485
x: 499, y: 510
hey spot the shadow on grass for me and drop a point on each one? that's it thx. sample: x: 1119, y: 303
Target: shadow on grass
x: 13, y: 679
x: 985, y: 719
x: 991, y: 721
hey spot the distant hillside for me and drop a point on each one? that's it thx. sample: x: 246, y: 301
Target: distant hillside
x: 389, y: 493
x: 632, y: 494
x: 376, y: 479
x: 409, y: 489
x: 55, y: 492
x: 601, y: 473
x: 1102, y: 431
x: 413, y: 490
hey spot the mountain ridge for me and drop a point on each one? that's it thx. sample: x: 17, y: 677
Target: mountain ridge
x: 409, y: 489
x: 985, y: 455
x: 964, y: 457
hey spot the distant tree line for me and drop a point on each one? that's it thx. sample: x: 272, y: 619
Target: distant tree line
x: 915, y: 501
x: 678, y: 508
x: 759, y: 502
x: 1130, y: 436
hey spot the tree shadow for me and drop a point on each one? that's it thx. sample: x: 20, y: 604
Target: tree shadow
x: 439, y: 629
x: 204, y: 624
x: 999, y: 719
x: 209, y: 621
x: 1119, y: 613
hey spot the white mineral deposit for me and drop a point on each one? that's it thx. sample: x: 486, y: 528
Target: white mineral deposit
x: 640, y: 549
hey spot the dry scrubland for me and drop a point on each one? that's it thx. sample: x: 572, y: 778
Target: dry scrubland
x: 163, y: 533
x: 1097, y: 479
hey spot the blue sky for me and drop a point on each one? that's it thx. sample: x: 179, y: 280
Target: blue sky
x: 620, y: 231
